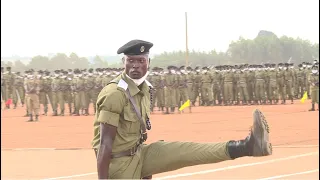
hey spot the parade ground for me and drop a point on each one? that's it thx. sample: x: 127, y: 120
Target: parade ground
x: 59, y: 147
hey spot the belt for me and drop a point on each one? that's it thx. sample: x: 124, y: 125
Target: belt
x: 228, y: 82
x: 129, y: 152
x: 260, y: 79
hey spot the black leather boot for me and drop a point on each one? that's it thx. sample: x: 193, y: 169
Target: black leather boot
x: 55, y: 113
x: 312, y: 107
x: 167, y: 111
x: 31, y: 118
x: 256, y: 143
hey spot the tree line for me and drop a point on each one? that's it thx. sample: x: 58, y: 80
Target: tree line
x: 265, y: 48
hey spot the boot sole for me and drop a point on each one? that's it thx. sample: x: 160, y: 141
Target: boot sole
x: 262, y: 146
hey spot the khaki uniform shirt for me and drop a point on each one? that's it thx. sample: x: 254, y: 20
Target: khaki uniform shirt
x: 114, y: 108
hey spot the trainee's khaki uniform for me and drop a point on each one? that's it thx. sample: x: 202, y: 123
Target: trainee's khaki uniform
x: 32, y: 96
x: 114, y: 108
x: 314, y: 87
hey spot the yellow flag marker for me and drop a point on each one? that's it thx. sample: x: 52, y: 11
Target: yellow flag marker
x: 186, y: 104
x: 304, y: 97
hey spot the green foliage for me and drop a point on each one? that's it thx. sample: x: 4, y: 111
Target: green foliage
x: 265, y: 48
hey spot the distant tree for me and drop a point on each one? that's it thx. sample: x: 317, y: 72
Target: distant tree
x: 39, y: 62
x: 19, y: 66
x: 99, y: 63
x: 60, y: 61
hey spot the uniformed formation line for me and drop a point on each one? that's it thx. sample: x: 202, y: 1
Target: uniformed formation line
x: 171, y: 87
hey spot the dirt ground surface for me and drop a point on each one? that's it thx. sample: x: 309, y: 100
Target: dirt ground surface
x: 59, y: 147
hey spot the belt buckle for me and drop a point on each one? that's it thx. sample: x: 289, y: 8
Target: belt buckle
x: 133, y: 151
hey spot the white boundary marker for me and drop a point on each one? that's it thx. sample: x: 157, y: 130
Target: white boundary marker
x: 61, y: 149
x: 296, y: 146
x: 206, y: 171
x: 293, y: 174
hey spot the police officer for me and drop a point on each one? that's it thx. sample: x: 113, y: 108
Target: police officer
x: 123, y: 110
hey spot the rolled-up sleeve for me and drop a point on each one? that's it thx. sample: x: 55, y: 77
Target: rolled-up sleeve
x: 110, y: 104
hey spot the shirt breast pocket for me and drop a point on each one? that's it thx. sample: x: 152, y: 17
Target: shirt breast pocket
x: 130, y: 123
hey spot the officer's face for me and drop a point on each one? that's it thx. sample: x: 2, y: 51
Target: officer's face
x: 136, y: 66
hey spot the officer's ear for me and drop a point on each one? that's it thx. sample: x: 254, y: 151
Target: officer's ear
x: 149, y: 62
x: 123, y: 60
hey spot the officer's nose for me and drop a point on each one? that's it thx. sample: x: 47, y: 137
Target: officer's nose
x: 136, y: 65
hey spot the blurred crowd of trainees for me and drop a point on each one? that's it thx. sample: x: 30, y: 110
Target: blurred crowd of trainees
x: 72, y: 91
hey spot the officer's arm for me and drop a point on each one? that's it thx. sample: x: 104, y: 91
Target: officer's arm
x: 110, y: 105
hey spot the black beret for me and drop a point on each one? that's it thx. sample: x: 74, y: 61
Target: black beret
x: 182, y: 67
x: 189, y: 68
x: 135, y: 47
x: 57, y: 71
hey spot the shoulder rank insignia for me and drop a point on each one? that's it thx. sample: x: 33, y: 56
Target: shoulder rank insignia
x: 122, y: 84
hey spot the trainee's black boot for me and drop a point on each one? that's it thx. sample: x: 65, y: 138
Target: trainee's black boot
x: 61, y: 113
x: 55, y: 113
x: 167, y: 111
x: 312, y: 107
x: 37, y: 118
x: 256, y: 143
x: 76, y: 113
x: 86, y: 112
x: 31, y: 118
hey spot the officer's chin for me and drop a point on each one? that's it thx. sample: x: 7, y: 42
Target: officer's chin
x: 135, y: 75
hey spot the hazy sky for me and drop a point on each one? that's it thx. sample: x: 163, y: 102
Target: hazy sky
x: 33, y: 27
